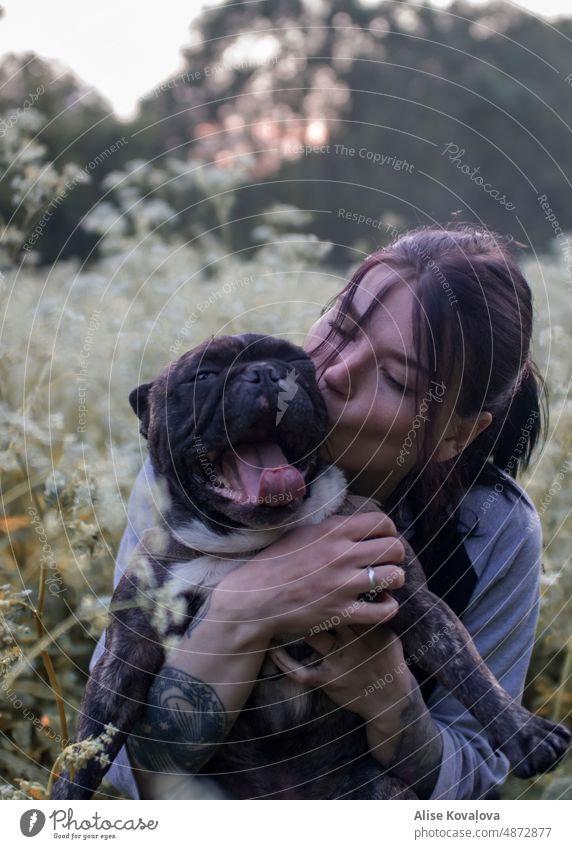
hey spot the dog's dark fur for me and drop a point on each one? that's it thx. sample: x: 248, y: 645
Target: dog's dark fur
x: 313, y: 746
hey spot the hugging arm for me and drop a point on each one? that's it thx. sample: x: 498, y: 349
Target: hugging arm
x: 501, y: 619
x: 445, y: 752
x: 194, y: 702
x: 186, y: 716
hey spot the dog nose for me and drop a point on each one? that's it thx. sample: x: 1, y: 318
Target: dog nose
x: 260, y: 373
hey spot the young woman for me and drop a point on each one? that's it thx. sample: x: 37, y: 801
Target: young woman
x: 434, y: 406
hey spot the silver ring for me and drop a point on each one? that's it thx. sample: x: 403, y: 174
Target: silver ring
x: 371, y: 578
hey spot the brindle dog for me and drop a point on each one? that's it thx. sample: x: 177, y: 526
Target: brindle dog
x: 249, y: 407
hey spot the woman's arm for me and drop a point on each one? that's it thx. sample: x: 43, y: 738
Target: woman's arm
x: 364, y: 671
x: 147, y: 766
x: 194, y: 702
x: 440, y: 749
x: 501, y: 618
x: 265, y: 598
x: 207, y: 678
x: 405, y: 739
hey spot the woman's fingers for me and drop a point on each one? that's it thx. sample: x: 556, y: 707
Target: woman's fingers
x: 367, y: 525
x: 281, y: 657
x: 324, y: 643
x: 387, y: 577
x: 329, y: 642
x: 284, y: 662
x: 375, y: 613
x: 348, y: 633
x: 359, y: 610
x: 366, y: 552
x: 383, y: 550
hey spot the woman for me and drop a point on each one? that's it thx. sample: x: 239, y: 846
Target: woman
x: 423, y: 361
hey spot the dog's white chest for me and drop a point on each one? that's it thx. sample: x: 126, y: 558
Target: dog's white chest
x: 203, y: 572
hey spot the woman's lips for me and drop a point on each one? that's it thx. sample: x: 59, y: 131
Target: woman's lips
x: 328, y: 392
x: 336, y: 405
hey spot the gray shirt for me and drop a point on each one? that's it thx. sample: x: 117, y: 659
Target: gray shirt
x: 501, y: 617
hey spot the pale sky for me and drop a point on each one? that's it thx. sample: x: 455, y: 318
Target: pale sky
x: 123, y: 48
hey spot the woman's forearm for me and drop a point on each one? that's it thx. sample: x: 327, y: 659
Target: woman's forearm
x: 406, y: 741
x: 198, y: 694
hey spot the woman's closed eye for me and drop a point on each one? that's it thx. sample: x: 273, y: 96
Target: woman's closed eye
x: 396, y: 384
x: 349, y: 335
x: 341, y: 331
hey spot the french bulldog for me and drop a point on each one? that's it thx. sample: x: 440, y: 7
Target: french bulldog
x: 234, y: 428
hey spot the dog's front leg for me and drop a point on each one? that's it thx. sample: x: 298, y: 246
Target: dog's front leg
x: 115, y: 693
x: 435, y: 636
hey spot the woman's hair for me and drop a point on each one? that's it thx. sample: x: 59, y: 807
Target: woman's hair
x: 472, y: 323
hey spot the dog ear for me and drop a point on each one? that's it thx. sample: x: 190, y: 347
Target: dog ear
x: 139, y: 400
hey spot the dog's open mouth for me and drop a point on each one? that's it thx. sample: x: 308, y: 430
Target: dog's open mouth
x: 257, y: 474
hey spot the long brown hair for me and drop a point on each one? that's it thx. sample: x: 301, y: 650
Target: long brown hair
x: 472, y: 320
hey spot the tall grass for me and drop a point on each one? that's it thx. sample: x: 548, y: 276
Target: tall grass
x: 75, y: 339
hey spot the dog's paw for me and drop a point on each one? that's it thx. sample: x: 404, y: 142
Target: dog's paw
x: 536, y: 747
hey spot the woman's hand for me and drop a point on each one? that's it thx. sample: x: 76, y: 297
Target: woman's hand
x: 363, y: 669
x: 314, y: 574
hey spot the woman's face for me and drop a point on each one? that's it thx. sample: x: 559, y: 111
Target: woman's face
x: 369, y: 388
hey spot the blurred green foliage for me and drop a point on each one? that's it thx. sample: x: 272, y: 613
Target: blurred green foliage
x: 157, y: 248
x: 396, y: 81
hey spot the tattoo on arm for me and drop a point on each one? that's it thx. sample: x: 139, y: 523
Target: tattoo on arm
x: 419, y: 748
x: 183, y: 724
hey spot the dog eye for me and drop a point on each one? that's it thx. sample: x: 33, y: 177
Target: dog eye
x: 202, y: 375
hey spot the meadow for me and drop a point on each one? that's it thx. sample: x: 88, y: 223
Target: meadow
x: 77, y: 337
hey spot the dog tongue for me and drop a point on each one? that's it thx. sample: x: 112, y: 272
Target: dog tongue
x: 262, y: 474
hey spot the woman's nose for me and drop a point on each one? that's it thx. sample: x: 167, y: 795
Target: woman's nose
x: 343, y: 374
